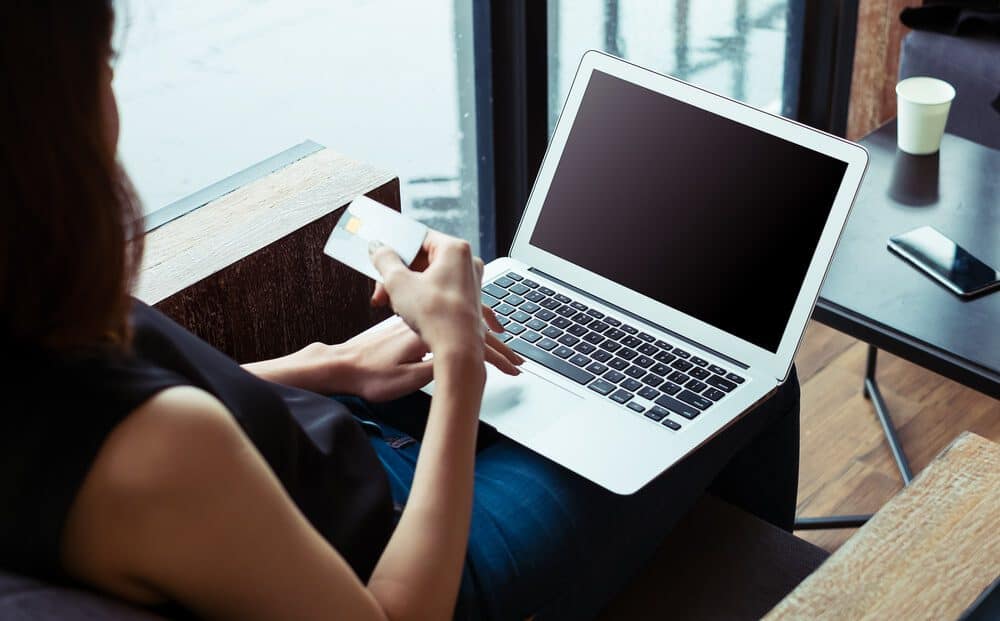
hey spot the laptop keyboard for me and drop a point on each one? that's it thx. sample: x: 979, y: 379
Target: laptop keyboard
x: 608, y: 356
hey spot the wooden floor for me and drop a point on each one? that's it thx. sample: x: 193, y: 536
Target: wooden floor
x: 846, y: 466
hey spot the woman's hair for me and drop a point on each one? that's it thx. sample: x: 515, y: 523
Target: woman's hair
x: 70, y: 227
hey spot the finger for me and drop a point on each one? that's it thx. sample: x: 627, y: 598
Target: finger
x: 500, y: 361
x: 387, y: 262
x: 477, y: 264
x: 496, y: 344
x: 491, y: 319
x: 380, y: 297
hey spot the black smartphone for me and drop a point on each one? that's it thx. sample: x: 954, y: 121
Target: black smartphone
x: 945, y: 261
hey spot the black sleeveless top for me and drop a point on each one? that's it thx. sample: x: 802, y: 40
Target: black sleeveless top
x: 57, y: 412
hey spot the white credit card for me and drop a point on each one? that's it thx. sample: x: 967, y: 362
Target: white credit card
x: 366, y: 220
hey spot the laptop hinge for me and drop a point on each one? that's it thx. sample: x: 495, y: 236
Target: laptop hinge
x: 639, y: 319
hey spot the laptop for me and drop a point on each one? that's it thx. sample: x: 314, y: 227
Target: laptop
x: 660, y: 280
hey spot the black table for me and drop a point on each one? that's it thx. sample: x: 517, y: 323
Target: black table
x: 873, y: 295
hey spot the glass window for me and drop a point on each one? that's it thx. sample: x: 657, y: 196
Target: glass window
x: 732, y: 47
x: 207, y: 89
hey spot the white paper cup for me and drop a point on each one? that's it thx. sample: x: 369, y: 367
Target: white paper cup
x: 922, y: 106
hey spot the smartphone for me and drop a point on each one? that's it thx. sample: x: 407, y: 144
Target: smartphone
x: 945, y: 261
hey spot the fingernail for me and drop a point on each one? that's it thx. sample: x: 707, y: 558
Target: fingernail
x: 374, y: 245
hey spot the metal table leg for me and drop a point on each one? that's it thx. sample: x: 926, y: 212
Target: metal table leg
x: 872, y: 392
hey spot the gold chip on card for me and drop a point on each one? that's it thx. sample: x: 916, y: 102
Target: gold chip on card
x: 353, y: 225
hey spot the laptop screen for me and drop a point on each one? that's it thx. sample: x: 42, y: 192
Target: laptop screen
x: 713, y: 218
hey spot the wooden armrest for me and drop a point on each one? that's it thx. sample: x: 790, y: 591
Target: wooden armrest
x: 246, y: 272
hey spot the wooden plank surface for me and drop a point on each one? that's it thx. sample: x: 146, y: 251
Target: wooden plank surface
x: 247, y: 272
x: 927, y: 554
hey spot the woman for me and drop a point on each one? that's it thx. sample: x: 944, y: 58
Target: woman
x: 143, y: 463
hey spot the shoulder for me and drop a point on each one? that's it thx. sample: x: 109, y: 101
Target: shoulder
x: 180, y: 446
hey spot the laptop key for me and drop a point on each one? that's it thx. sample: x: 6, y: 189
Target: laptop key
x: 576, y: 330
x: 656, y: 413
x: 534, y: 296
x: 636, y: 372
x: 649, y: 393
x: 503, y: 320
x: 531, y: 336
x: 584, y: 347
x: 550, y: 303
x: 546, y: 291
x: 670, y: 388
x: 504, y: 309
x: 536, y: 324
x: 678, y: 407
x: 527, y: 282
x: 561, y: 322
x: 506, y: 336
x: 514, y: 300
x: 734, y: 377
x: 601, y: 386
x: 643, y: 361
x: 678, y: 377
x: 617, y: 363
x: 720, y: 382
x: 600, y: 355
x: 514, y: 276
x: 701, y: 362
x: 582, y: 318
x: 631, y: 385
x: 593, y: 312
x: 614, y: 333
x: 546, y: 359
x: 695, y: 386
x: 680, y: 353
x: 611, y: 321
x: 669, y: 424
x: 681, y: 365
x: 629, y: 329
x: 598, y: 326
x: 664, y: 357
x: 660, y: 369
x: 648, y: 350
x: 621, y: 396
x: 529, y: 307
x: 699, y: 373
x: 547, y: 344
x: 562, y: 298
x: 596, y: 368
x: 562, y: 351
x: 646, y: 337
x: 713, y: 394
x: 565, y: 311
x: 521, y: 317
x: 665, y: 346
x: 578, y: 306
x: 696, y: 400
x: 652, y: 379
x: 609, y: 345
x: 631, y: 341
x: 580, y: 360
x: 568, y: 340
x: 503, y: 281
x: 627, y: 353
x: 488, y: 300
x: 593, y: 338
x: 495, y: 291
x: 545, y: 314
x: 714, y: 368
x: 635, y: 407
x: 552, y: 332
x: 613, y: 376
x: 513, y: 328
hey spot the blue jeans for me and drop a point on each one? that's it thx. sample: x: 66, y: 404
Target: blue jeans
x: 546, y: 542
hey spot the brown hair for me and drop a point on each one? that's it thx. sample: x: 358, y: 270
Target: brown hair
x: 70, y: 227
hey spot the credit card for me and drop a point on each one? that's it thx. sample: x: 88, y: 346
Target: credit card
x: 366, y: 220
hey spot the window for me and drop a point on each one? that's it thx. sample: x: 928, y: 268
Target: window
x: 207, y: 89
x: 732, y: 47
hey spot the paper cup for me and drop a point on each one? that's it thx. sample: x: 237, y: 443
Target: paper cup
x: 922, y: 106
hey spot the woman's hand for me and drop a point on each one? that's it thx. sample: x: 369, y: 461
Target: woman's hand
x: 439, y: 297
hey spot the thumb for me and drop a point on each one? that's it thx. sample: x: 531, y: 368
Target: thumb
x: 386, y: 261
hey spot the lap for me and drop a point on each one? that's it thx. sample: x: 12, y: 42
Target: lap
x: 544, y: 540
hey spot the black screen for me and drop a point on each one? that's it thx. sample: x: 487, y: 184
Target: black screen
x: 713, y: 218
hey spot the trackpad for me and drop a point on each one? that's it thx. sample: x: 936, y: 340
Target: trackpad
x: 525, y: 405
x: 522, y: 406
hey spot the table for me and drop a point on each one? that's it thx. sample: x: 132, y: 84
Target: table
x: 875, y: 296
x: 927, y: 554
